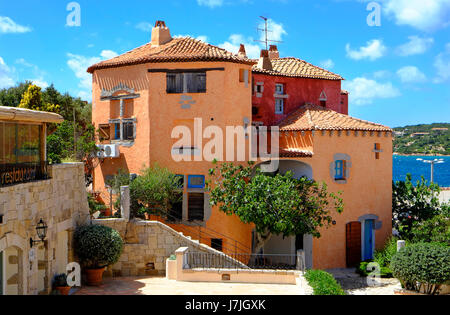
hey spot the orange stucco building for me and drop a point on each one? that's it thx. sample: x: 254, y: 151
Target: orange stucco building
x: 140, y: 97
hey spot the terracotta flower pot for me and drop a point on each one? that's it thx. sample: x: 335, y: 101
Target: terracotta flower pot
x: 94, y: 277
x: 63, y: 290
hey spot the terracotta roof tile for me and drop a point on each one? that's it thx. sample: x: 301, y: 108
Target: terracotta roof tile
x: 177, y: 50
x: 293, y: 67
x: 313, y: 117
x: 293, y: 153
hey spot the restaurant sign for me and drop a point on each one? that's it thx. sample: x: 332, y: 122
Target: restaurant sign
x: 11, y: 174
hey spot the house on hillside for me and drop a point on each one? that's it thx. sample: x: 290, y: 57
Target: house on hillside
x: 140, y: 97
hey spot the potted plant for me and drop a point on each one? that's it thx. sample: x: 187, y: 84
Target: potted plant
x: 97, y: 247
x: 60, y: 284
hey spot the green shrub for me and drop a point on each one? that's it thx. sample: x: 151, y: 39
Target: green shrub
x: 323, y: 283
x: 383, y: 257
x: 364, y: 271
x: 94, y: 205
x: 436, y: 229
x: 97, y: 246
x: 422, y: 265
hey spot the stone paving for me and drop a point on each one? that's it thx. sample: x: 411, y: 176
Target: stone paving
x: 162, y: 286
x: 354, y: 284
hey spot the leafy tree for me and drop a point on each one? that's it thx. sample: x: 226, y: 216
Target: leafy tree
x: 32, y: 99
x: 154, y: 191
x: 12, y: 96
x: 60, y: 144
x: 413, y: 203
x: 434, y: 230
x: 280, y: 204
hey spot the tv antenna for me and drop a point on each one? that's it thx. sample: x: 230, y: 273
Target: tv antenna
x: 266, y: 31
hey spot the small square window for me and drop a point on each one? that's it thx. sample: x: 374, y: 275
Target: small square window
x: 196, y: 181
x: 259, y: 88
x: 217, y: 244
x: 279, y: 89
x: 279, y: 106
x: 128, y: 131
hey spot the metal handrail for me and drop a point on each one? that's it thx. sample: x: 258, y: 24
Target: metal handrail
x: 238, y: 246
x: 197, y: 260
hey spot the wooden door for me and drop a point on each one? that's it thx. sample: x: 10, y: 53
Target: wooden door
x: 353, y: 237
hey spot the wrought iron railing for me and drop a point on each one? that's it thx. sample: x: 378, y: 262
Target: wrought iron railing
x: 204, y: 234
x: 197, y: 260
x: 18, y: 173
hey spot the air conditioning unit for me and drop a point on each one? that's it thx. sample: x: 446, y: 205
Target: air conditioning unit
x: 108, y: 151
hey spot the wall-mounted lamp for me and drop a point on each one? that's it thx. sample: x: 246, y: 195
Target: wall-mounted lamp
x: 334, y: 222
x: 41, y: 230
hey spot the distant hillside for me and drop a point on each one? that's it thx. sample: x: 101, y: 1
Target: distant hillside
x: 423, y: 139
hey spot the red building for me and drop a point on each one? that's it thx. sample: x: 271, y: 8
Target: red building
x: 282, y: 85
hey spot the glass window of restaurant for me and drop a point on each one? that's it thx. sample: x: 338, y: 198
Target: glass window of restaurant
x: 20, y: 143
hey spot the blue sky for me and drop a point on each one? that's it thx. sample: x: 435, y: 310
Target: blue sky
x: 397, y: 73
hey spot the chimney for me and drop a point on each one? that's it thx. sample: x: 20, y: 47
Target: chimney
x: 160, y: 34
x: 273, y: 52
x: 242, y: 53
x: 264, y: 62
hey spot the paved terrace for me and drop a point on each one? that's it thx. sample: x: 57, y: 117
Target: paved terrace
x: 162, y: 286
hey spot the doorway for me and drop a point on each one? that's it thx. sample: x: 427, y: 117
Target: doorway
x: 368, y: 239
x: 353, y: 244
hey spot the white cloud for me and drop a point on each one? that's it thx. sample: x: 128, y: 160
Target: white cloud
x: 276, y: 30
x: 6, y: 79
x: 382, y: 74
x: 425, y: 15
x: 416, y: 46
x: 364, y: 91
x: 253, y: 48
x: 210, y: 3
x: 7, y: 25
x: 108, y: 54
x: 411, y: 74
x: 442, y: 65
x: 327, y: 64
x: 144, y: 26
x: 23, y: 62
x: 232, y: 45
x: 375, y: 49
x: 79, y: 65
x: 40, y: 82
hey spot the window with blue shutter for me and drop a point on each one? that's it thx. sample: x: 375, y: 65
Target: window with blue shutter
x: 196, y: 181
x: 339, y: 170
x: 116, y: 131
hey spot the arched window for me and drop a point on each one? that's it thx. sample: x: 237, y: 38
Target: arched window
x: 323, y: 99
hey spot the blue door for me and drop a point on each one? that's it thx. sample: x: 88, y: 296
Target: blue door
x: 368, y: 239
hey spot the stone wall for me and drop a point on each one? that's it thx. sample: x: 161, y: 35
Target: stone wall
x: 148, y: 244
x: 61, y: 202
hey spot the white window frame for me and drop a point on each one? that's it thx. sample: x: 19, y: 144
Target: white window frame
x: 277, y: 111
x: 279, y: 89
